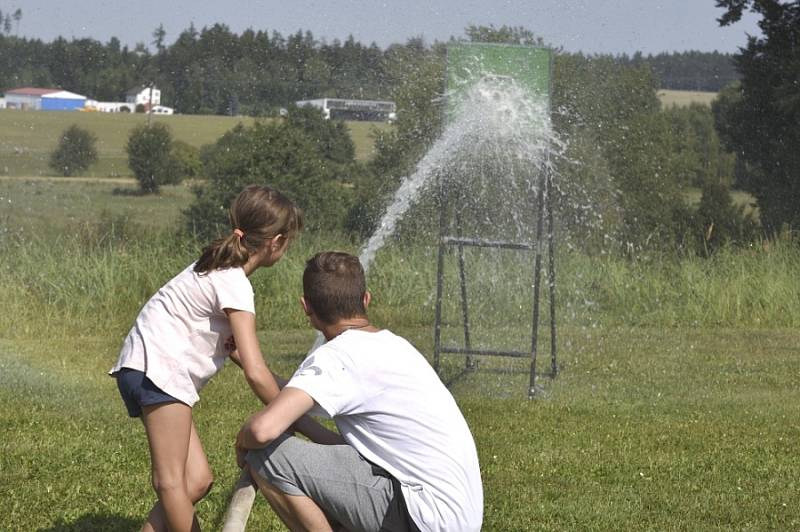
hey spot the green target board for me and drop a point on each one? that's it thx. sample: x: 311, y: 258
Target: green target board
x: 467, y: 63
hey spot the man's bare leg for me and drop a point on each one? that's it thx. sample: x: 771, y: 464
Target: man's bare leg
x: 298, y: 513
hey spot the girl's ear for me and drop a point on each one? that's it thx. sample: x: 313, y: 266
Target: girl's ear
x: 277, y: 241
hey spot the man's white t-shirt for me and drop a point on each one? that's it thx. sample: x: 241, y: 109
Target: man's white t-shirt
x: 178, y: 339
x: 390, y: 405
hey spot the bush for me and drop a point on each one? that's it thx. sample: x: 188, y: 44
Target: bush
x: 151, y: 158
x: 719, y: 221
x: 187, y: 158
x: 76, y: 151
x: 279, y: 154
x: 330, y: 137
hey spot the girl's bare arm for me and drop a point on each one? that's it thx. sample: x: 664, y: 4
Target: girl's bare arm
x: 250, y: 359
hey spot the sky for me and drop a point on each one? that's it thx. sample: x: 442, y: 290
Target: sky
x: 590, y: 26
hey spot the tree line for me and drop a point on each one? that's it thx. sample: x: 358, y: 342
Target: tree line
x: 691, y: 70
x: 216, y: 71
x: 632, y: 160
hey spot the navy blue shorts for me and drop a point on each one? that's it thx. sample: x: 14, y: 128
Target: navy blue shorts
x: 138, y: 391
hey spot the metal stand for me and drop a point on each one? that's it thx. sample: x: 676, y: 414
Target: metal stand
x: 544, y: 202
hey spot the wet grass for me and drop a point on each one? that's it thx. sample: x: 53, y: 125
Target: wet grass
x: 675, y: 407
x: 658, y: 429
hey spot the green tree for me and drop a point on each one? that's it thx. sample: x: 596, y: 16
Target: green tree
x: 76, y: 151
x: 277, y: 153
x: 187, y: 160
x: 645, y: 162
x: 150, y: 157
x: 331, y: 137
x: 700, y: 153
x: 758, y: 118
x: 417, y: 73
x: 719, y: 221
x: 503, y: 35
x: 17, y: 18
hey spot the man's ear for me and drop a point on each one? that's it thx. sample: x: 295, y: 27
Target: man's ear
x: 306, y: 306
x: 366, y: 299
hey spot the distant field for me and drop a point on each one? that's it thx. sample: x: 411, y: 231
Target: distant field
x: 683, y: 98
x: 28, y: 137
x: 739, y: 197
x: 47, y: 206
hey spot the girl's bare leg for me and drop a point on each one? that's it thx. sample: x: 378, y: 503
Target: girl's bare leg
x: 180, y: 470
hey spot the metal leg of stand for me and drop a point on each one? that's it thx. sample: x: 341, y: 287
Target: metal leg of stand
x: 437, y: 329
x: 470, y: 363
x: 537, y: 267
x: 551, y: 274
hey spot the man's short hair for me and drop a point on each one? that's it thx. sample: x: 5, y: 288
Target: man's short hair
x: 334, y: 286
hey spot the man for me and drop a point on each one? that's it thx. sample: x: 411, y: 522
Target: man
x: 404, y: 459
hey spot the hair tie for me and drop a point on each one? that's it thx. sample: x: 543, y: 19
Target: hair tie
x: 238, y: 232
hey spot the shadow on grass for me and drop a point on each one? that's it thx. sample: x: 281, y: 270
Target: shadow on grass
x: 127, y: 191
x: 95, y: 523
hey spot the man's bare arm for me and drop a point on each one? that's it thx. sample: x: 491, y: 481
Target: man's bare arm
x: 272, y: 421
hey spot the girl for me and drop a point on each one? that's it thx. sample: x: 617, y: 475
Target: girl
x: 181, y: 339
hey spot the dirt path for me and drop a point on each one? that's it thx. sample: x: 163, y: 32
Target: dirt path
x: 55, y: 179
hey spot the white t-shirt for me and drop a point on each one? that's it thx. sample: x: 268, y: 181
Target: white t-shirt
x: 178, y: 339
x: 390, y: 405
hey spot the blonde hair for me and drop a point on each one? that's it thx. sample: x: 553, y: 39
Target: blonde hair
x: 258, y: 214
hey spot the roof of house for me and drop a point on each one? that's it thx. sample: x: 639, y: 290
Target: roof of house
x: 31, y: 91
x: 137, y: 89
x: 64, y: 95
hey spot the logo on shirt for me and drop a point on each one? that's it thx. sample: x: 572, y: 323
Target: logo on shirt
x: 308, y: 368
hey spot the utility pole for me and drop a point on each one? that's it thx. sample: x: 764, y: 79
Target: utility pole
x: 150, y: 106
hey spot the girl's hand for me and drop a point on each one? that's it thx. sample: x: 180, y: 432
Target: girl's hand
x: 230, y: 344
x: 233, y: 353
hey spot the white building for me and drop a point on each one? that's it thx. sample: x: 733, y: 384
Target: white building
x: 140, y: 95
x: 110, y: 107
x: 162, y: 110
x: 368, y: 110
x: 37, y: 99
x: 137, y: 97
x: 2, y: 103
x: 26, y: 97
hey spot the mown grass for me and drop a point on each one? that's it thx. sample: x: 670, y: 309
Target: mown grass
x: 28, y: 137
x: 675, y: 407
x: 645, y: 429
x: 54, y: 206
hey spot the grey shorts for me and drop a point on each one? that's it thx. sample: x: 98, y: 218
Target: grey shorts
x: 352, y: 492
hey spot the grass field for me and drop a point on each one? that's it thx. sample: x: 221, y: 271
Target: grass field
x: 676, y: 407
x: 669, y: 98
x: 28, y: 137
x: 740, y: 199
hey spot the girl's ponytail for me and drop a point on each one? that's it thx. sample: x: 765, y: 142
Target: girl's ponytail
x: 258, y: 214
x: 225, y: 252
